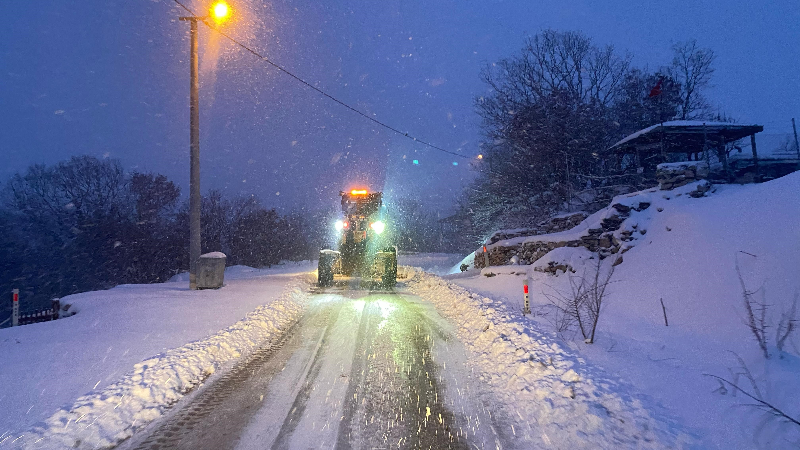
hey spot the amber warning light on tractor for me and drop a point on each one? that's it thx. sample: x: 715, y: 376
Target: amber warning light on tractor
x: 358, y: 192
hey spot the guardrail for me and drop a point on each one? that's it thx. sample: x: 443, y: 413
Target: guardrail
x: 31, y: 316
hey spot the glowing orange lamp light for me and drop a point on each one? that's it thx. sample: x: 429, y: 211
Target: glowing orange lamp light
x: 220, y: 12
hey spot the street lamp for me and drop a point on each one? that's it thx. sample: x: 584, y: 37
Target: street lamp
x: 220, y: 12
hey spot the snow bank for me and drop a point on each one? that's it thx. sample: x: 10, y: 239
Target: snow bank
x: 136, y: 319
x: 561, y: 402
x: 430, y: 262
x: 564, y: 259
x: 469, y: 260
x: 684, y: 251
x: 239, y: 271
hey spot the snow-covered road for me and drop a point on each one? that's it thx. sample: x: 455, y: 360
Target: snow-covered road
x: 359, y: 370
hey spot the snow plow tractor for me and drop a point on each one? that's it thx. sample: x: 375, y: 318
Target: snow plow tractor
x: 364, y: 254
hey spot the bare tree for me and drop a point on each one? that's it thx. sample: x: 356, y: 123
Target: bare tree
x: 758, y: 322
x: 692, y: 67
x: 584, y: 302
x: 550, y: 113
x: 756, y: 313
x: 154, y: 195
x: 786, y: 326
x: 753, y: 393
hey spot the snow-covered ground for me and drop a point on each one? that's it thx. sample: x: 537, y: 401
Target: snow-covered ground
x: 686, y: 255
x: 438, y: 263
x: 550, y: 396
x: 115, y: 365
x: 640, y: 385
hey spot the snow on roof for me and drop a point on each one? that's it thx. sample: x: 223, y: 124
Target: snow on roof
x: 679, y: 123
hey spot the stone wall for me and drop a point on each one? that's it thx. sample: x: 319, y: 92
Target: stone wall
x: 600, y: 240
x: 553, y: 225
x: 672, y: 175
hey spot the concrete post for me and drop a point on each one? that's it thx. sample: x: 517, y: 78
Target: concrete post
x: 15, y: 308
x: 527, y: 308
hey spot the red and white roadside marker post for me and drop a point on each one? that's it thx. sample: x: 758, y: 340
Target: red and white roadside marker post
x: 15, y: 308
x: 485, y: 257
x: 527, y: 308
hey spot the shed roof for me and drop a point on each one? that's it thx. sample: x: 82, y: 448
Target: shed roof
x: 684, y: 136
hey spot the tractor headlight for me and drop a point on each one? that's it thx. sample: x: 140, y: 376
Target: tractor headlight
x: 339, y: 225
x: 377, y: 227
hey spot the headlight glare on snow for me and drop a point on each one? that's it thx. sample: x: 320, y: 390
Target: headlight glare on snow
x: 378, y: 227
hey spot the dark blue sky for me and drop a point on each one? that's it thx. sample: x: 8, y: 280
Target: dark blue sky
x: 110, y: 78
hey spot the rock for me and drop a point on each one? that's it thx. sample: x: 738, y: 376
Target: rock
x: 621, y: 208
x: 672, y: 175
x: 552, y: 225
x: 553, y: 268
x: 611, y: 223
x: 618, y: 261
x: 701, y: 190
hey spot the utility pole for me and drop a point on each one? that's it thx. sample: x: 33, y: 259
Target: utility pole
x: 194, y: 157
x: 219, y: 12
x: 796, y: 145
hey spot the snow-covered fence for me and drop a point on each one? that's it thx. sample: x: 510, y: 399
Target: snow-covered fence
x: 40, y: 315
x: 35, y: 315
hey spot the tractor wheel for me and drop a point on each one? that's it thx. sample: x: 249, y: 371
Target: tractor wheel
x: 325, y: 268
x: 389, y: 276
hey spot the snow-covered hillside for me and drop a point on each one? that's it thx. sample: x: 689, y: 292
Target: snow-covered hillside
x: 685, y: 251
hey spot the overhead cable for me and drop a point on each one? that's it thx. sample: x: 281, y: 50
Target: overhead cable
x: 309, y: 85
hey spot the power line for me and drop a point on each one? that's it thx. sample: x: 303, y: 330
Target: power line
x: 307, y: 84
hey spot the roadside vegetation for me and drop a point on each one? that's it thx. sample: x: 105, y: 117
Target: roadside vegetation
x: 85, y: 224
x: 551, y: 112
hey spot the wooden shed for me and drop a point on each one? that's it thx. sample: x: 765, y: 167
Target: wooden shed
x: 694, y: 139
